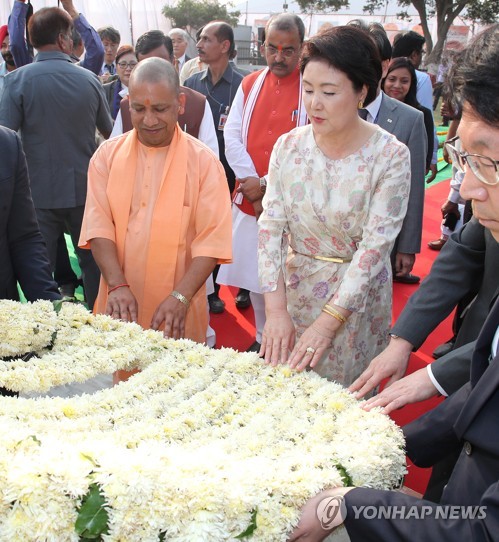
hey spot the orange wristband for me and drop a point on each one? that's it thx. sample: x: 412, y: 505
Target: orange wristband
x: 116, y: 287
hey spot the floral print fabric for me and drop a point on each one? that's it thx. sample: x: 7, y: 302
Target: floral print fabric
x: 352, y: 209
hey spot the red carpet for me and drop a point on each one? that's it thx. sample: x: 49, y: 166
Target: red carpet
x: 235, y: 328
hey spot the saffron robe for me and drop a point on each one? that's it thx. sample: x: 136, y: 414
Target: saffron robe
x: 162, y: 207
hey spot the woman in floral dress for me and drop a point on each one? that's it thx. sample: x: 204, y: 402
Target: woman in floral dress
x: 336, y: 198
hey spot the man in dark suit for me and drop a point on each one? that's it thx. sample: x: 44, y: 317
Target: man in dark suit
x: 57, y: 106
x: 23, y: 254
x: 467, y: 263
x: 466, y: 421
x: 180, y: 40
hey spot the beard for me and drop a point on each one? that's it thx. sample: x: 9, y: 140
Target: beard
x: 9, y: 59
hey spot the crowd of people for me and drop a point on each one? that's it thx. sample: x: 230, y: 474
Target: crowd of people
x: 301, y: 184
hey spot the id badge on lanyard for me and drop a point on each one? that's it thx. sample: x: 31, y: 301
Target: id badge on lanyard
x: 223, y: 119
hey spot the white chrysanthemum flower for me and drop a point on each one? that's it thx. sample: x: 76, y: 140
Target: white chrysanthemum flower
x: 194, y: 446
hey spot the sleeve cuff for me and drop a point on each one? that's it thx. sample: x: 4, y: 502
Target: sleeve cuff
x: 435, y: 383
x: 454, y: 196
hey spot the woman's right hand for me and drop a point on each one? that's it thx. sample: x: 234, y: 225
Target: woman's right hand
x: 278, y: 338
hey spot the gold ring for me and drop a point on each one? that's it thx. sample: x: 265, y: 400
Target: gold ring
x: 310, y: 350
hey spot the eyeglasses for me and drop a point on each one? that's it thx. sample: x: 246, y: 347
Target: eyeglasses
x: 124, y: 65
x: 484, y: 168
x: 288, y: 52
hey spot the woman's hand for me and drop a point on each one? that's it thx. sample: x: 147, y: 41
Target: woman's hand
x: 311, y: 346
x: 278, y: 337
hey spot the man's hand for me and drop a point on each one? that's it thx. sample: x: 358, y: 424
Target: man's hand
x: 172, y: 312
x: 404, y: 263
x: 434, y: 171
x: 258, y: 208
x: 249, y: 187
x: 391, y: 363
x: 69, y: 7
x: 411, y: 389
x: 320, y: 516
x: 450, y: 208
x: 104, y: 77
x: 122, y: 305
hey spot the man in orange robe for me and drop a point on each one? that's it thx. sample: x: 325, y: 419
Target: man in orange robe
x: 157, y: 216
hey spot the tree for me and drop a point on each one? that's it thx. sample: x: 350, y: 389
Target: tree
x: 193, y: 14
x: 446, y: 11
x: 322, y: 6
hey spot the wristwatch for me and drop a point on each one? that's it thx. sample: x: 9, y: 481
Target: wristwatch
x: 263, y: 184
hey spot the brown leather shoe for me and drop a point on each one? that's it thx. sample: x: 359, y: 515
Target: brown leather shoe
x: 437, y: 244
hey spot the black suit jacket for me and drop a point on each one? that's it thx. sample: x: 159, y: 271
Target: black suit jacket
x: 468, y: 262
x: 468, y: 421
x: 23, y: 255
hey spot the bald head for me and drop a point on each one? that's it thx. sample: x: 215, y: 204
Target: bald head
x: 155, y: 70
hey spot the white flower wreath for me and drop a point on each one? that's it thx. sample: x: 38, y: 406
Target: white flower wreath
x: 202, y: 445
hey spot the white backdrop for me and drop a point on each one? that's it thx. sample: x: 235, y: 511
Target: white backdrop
x: 131, y: 17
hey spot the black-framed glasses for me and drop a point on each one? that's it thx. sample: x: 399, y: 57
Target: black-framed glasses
x: 484, y: 168
x: 287, y: 52
x: 124, y: 65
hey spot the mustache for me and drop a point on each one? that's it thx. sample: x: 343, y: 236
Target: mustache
x: 9, y: 59
x: 278, y: 65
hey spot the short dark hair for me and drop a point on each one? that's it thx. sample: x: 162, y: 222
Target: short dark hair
x: 225, y: 32
x: 46, y: 24
x: 76, y: 37
x: 378, y: 34
x: 475, y: 78
x: 405, y: 43
x: 286, y: 22
x: 109, y: 33
x: 124, y: 50
x: 404, y: 62
x: 349, y: 50
x: 152, y: 40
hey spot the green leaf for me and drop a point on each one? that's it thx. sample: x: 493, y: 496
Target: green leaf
x: 162, y: 536
x: 345, y: 477
x: 92, y: 515
x: 251, y: 527
x: 57, y: 305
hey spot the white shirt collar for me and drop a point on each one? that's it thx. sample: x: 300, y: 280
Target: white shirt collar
x: 373, y: 108
x: 495, y: 344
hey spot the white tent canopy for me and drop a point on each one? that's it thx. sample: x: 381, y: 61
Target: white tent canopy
x: 131, y: 17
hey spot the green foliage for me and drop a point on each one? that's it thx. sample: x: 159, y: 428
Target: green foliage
x: 251, y: 527
x: 322, y: 6
x: 345, y: 477
x: 485, y: 11
x: 194, y: 14
x: 92, y: 515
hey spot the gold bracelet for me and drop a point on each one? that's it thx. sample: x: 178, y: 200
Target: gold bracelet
x: 335, y: 316
x: 334, y: 313
x: 180, y: 297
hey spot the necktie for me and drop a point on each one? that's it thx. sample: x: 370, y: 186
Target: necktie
x: 109, y: 68
x: 363, y: 113
x: 176, y: 63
